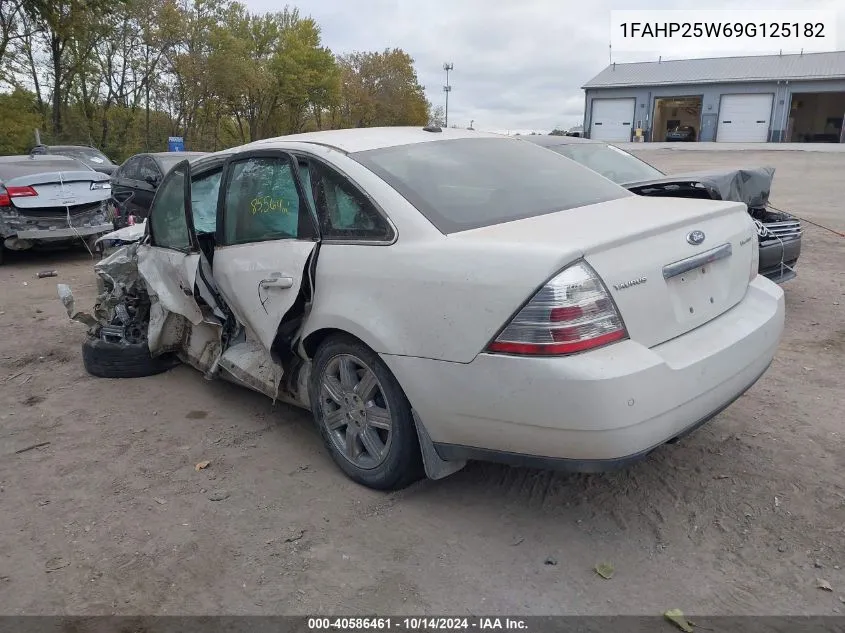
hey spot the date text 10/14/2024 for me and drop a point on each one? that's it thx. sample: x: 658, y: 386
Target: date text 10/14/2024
x: 420, y: 623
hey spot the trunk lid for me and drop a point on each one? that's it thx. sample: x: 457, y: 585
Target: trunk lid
x: 59, y: 189
x: 638, y: 245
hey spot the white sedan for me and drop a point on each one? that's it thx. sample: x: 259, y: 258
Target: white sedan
x: 436, y: 296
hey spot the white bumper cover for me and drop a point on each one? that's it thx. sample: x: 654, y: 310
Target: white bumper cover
x: 608, y: 404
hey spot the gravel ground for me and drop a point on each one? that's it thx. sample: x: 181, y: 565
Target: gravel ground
x: 743, y: 517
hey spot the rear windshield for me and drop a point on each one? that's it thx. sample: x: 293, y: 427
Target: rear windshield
x: 464, y: 184
x: 28, y: 166
x: 169, y: 162
x: 87, y: 154
x: 611, y: 162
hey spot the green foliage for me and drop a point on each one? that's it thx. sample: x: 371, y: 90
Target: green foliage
x: 19, y: 119
x: 123, y: 75
x: 381, y: 89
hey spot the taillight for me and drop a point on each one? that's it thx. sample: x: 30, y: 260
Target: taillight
x: 572, y: 312
x: 5, y: 200
x: 21, y: 192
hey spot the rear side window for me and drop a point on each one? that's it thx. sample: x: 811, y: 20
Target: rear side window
x: 343, y: 211
x: 469, y: 183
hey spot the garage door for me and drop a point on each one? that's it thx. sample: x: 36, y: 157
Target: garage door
x: 744, y: 119
x: 612, y: 119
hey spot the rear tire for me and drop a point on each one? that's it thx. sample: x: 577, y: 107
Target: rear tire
x: 371, y: 408
x: 123, y: 360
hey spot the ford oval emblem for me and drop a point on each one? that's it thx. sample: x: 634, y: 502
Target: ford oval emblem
x: 695, y: 237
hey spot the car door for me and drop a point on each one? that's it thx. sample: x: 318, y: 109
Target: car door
x: 168, y: 262
x: 150, y: 179
x: 122, y: 184
x: 266, y: 233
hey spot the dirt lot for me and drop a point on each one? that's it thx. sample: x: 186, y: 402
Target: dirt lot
x: 742, y: 517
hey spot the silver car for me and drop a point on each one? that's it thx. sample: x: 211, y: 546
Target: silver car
x: 49, y: 200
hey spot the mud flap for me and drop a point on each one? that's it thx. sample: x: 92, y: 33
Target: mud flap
x: 435, y: 466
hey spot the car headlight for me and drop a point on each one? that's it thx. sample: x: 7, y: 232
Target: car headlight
x: 101, y: 185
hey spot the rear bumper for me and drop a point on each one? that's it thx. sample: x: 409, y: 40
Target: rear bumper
x: 64, y: 233
x: 454, y: 452
x: 773, y: 253
x: 600, y: 409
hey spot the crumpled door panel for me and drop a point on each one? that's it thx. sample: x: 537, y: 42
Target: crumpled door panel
x: 171, y: 275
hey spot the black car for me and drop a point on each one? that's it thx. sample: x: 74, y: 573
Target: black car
x: 135, y: 182
x: 91, y: 156
x: 681, y: 133
x: 779, y: 233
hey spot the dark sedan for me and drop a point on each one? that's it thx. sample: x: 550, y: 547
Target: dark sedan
x: 779, y: 233
x: 91, y: 156
x: 135, y: 182
x: 681, y: 133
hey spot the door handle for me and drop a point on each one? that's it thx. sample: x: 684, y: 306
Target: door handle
x: 276, y: 282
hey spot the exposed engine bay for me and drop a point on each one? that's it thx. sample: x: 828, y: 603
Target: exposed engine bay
x: 779, y: 232
x: 139, y: 304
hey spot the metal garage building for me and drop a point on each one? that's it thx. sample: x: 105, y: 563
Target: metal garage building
x: 789, y: 98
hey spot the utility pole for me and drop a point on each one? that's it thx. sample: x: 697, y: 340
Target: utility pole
x: 447, y: 66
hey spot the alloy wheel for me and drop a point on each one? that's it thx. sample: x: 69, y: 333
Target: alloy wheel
x: 355, y: 412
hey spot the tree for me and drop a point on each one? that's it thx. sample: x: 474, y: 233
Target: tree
x: 437, y: 116
x: 19, y: 118
x: 308, y: 74
x: 125, y: 74
x: 62, y: 27
x: 381, y: 89
x: 10, y: 25
x: 557, y: 132
x: 243, y: 47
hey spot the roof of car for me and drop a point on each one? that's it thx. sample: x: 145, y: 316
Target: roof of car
x: 36, y: 158
x: 189, y: 156
x: 548, y: 140
x: 63, y: 147
x: 363, y: 139
x: 185, y: 154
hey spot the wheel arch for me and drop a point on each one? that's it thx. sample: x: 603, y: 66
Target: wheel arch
x: 313, y: 336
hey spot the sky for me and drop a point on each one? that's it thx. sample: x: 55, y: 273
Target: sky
x: 518, y: 64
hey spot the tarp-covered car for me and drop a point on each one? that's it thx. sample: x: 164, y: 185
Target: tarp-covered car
x: 431, y: 304
x: 779, y: 233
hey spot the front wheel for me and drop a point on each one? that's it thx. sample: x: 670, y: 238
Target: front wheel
x: 364, y: 416
x: 106, y: 359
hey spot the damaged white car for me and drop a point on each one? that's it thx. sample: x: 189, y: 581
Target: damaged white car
x: 435, y: 296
